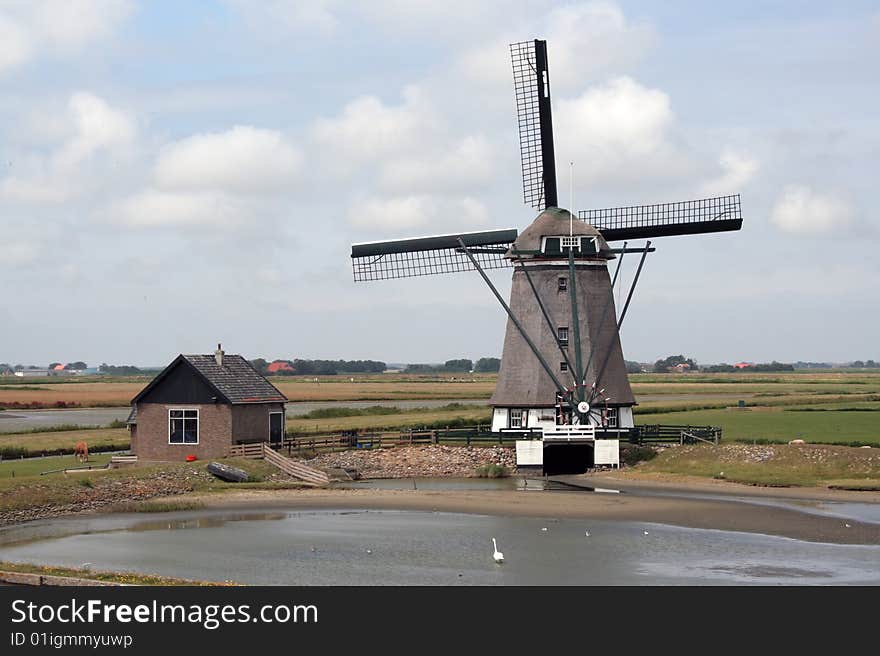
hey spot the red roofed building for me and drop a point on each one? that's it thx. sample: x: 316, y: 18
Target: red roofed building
x: 280, y: 366
x: 742, y: 365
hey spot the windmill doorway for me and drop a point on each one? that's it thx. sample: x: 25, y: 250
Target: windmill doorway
x: 568, y: 458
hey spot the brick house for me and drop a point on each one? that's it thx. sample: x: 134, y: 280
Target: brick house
x: 200, y: 405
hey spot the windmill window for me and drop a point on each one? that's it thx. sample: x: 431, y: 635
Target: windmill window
x: 563, y: 366
x: 183, y: 426
x: 563, y: 283
x: 611, y: 417
x: 562, y: 334
x: 515, y: 418
x: 571, y: 242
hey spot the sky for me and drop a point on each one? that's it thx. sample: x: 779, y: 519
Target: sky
x: 174, y: 175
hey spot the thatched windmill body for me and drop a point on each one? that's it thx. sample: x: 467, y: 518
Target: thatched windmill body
x: 562, y: 363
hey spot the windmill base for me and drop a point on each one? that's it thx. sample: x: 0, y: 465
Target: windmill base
x: 550, y: 457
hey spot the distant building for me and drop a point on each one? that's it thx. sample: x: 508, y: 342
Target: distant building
x: 681, y: 368
x: 280, y: 366
x: 34, y: 373
x: 742, y: 365
x: 202, y: 404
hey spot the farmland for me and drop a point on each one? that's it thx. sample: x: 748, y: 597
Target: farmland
x: 826, y: 406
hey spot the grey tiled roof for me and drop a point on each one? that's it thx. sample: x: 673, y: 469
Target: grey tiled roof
x: 237, y: 380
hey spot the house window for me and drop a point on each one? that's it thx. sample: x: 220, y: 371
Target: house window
x: 515, y: 418
x: 563, y: 366
x: 563, y: 284
x: 562, y: 334
x: 183, y: 426
x: 611, y: 417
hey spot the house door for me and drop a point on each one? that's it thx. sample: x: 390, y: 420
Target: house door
x: 276, y: 428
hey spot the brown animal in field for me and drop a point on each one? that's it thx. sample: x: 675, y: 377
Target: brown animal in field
x: 81, y: 451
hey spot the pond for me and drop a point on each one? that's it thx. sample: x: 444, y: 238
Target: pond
x: 358, y: 547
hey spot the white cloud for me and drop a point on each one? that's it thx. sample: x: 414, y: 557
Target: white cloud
x: 97, y: 126
x: 156, y: 209
x: 737, y: 170
x: 90, y: 128
x: 368, y: 129
x: 800, y: 210
x: 15, y: 46
x: 466, y: 166
x: 618, y: 132
x: 241, y: 160
x: 55, y: 27
x: 388, y: 215
x: 584, y: 40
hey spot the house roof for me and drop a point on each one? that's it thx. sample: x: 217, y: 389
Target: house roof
x: 279, y: 365
x: 236, y: 381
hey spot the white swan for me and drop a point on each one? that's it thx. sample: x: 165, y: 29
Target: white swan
x: 498, y: 556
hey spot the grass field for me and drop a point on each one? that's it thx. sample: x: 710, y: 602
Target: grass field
x: 778, y: 404
x: 800, y: 465
x: 53, y: 441
x: 20, y: 468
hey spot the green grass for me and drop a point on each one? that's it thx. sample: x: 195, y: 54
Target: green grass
x: 149, y: 506
x: 21, y: 468
x: 129, y: 578
x: 773, y: 465
x: 50, y: 441
x: 831, y: 426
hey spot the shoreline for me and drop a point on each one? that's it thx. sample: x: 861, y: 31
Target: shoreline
x: 724, y: 513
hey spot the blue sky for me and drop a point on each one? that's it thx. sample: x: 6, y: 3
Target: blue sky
x: 178, y: 174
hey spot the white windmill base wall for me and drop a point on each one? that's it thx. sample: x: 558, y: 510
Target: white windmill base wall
x: 546, y: 418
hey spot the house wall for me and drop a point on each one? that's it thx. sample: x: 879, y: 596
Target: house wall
x: 150, y: 440
x: 250, y: 423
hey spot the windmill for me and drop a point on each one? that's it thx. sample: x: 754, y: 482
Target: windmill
x: 562, y: 367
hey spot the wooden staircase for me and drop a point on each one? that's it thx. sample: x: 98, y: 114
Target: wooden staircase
x: 290, y: 467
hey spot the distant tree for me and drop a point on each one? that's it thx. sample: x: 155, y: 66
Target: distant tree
x: 870, y: 364
x: 19, y: 367
x: 463, y: 365
x: 488, y: 365
x: 122, y: 370
x: 52, y: 365
x: 772, y: 366
x: 662, y: 366
x: 720, y: 368
x: 79, y: 365
x: 260, y: 365
x: 632, y: 367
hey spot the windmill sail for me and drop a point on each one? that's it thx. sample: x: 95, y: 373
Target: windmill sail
x: 689, y: 217
x: 531, y: 81
x: 426, y: 256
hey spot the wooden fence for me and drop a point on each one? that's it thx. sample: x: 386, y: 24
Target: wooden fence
x: 262, y: 450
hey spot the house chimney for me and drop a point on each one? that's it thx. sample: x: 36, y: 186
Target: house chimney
x: 218, y: 356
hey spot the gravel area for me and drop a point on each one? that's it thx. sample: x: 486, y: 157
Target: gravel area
x: 417, y: 461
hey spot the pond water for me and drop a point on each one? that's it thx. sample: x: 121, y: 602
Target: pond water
x: 344, y: 547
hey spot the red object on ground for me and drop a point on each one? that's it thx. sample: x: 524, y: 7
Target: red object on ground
x: 190, y: 458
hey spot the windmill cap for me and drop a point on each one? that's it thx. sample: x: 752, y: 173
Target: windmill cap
x: 554, y: 222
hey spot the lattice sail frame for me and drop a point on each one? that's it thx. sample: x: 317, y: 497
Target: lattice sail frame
x: 430, y: 255
x: 663, y: 219
x: 525, y: 82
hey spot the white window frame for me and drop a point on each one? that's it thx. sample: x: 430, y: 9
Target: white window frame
x: 562, y: 340
x: 570, y: 242
x: 198, y: 426
x: 512, y: 412
x: 612, y: 418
